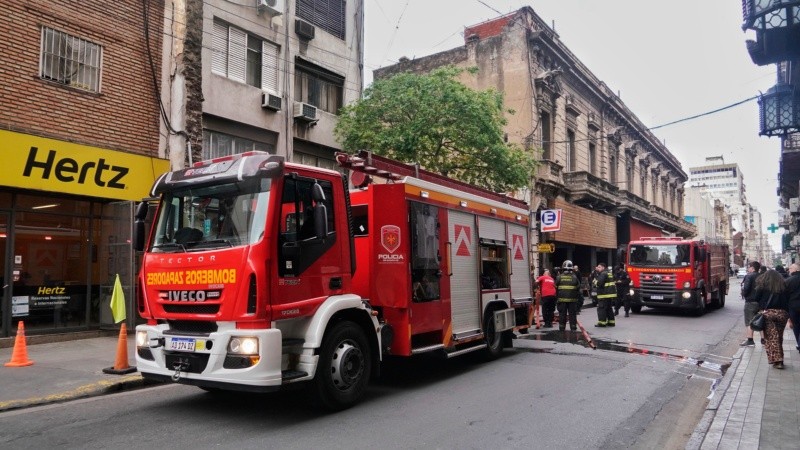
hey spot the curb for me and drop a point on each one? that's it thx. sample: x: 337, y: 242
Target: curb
x: 102, y: 387
x: 699, y: 433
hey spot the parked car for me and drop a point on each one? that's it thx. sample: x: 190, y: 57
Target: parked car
x: 741, y: 272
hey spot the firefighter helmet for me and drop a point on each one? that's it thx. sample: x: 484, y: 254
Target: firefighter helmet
x: 567, y: 265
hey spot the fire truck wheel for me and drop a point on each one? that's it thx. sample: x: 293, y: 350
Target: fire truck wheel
x: 494, y: 340
x: 343, y: 369
x: 701, y: 309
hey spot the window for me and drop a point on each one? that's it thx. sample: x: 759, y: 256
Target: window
x: 425, y: 256
x: 243, y: 57
x: 643, y: 182
x: 316, y: 161
x: 612, y: 157
x: 318, y: 87
x: 300, y: 213
x: 216, y: 144
x: 326, y: 14
x: 593, y: 158
x: 545, y: 118
x: 572, y: 158
x: 70, y: 60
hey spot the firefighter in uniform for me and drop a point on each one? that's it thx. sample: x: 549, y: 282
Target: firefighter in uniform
x: 606, y: 297
x: 568, y: 292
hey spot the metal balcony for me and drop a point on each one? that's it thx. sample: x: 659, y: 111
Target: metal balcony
x: 779, y: 111
x: 777, y: 27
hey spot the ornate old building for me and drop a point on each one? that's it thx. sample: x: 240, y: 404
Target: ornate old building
x: 612, y: 178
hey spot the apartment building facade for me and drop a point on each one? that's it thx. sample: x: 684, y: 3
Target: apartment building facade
x: 265, y: 75
x: 612, y: 178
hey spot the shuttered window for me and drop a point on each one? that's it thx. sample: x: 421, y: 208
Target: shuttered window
x: 269, y: 72
x: 243, y: 57
x: 326, y: 14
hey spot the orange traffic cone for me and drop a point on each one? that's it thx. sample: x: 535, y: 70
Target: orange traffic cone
x: 19, y: 358
x: 121, y: 366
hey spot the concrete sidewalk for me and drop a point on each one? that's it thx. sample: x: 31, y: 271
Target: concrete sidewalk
x: 756, y: 406
x: 64, y: 371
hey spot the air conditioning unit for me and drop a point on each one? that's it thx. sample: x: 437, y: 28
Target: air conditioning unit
x: 304, y: 29
x: 305, y: 112
x: 271, y: 7
x: 269, y: 101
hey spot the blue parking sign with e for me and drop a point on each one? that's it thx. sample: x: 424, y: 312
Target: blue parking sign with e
x: 550, y: 220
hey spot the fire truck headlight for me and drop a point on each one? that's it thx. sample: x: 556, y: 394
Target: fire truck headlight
x: 686, y: 295
x: 243, y: 345
x: 687, y: 285
x: 141, y: 338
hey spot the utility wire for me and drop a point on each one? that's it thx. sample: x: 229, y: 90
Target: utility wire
x: 705, y: 113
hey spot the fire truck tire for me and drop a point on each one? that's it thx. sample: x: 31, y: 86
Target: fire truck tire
x: 344, y: 367
x: 701, y: 309
x: 494, y: 340
x: 636, y: 308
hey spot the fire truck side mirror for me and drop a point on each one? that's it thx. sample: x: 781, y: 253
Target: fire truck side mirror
x: 320, y: 221
x: 138, y: 230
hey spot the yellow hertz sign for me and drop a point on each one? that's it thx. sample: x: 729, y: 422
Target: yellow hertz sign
x: 208, y: 276
x: 50, y: 165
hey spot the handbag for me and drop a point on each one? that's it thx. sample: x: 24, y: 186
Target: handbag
x: 759, y: 321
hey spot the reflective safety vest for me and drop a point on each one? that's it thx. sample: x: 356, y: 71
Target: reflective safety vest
x: 606, y: 286
x: 568, y: 288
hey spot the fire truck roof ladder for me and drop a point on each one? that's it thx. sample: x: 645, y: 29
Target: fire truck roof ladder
x: 379, y: 166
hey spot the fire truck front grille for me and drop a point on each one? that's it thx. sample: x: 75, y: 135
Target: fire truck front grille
x: 191, y: 327
x: 656, y: 291
x: 191, y: 308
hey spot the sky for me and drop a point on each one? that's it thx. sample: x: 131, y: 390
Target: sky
x: 668, y: 59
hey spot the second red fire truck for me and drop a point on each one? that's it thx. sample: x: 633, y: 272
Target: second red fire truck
x: 260, y: 273
x: 672, y: 272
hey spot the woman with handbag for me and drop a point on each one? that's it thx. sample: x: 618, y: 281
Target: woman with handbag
x: 772, y: 299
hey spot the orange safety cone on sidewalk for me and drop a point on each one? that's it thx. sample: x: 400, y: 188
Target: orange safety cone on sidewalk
x: 121, y: 366
x: 19, y: 357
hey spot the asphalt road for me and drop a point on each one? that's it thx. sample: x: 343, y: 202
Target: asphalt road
x: 644, y: 387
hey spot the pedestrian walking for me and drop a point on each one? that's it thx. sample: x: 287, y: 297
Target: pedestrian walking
x: 793, y: 298
x: 567, y: 293
x: 623, y: 282
x: 771, y: 295
x: 547, y: 289
x: 606, y: 297
x: 750, y: 302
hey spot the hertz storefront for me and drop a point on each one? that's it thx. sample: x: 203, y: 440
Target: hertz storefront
x: 65, y: 228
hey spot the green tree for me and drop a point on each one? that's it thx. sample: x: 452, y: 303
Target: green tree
x: 438, y: 122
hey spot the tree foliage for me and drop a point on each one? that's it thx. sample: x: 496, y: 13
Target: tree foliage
x: 438, y: 122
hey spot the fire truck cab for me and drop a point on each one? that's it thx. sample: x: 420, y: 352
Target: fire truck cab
x: 676, y: 273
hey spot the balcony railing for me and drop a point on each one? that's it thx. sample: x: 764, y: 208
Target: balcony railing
x: 777, y: 27
x: 779, y: 111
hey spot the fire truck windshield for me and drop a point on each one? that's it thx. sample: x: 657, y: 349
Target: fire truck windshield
x: 666, y: 255
x: 225, y: 215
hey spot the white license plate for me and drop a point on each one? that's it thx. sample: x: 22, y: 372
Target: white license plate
x: 657, y: 297
x: 182, y: 344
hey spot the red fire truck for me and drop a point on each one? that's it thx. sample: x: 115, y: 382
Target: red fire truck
x: 260, y: 273
x: 672, y: 272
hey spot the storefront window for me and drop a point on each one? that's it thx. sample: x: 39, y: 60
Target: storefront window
x: 50, y: 270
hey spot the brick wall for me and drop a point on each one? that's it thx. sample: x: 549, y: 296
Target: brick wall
x: 124, y: 115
